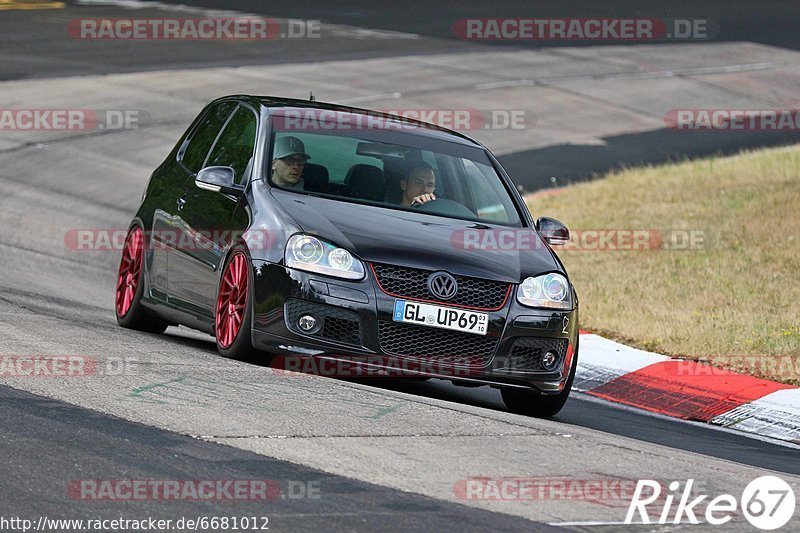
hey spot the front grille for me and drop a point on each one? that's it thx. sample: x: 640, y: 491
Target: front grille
x: 412, y: 283
x: 527, y: 352
x: 338, y: 325
x: 436, y: 345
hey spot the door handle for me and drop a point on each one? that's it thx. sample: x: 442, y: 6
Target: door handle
x: 181, y: 202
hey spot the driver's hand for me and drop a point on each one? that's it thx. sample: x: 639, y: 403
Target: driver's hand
x: 422, y: 198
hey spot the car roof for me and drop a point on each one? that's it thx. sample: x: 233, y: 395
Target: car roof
x: 294, y: 104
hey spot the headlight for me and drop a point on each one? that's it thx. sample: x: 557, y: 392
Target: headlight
x: 305, y: 252
x: 551, y: 291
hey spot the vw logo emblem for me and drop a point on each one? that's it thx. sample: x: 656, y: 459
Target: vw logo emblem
x: 442, y: 285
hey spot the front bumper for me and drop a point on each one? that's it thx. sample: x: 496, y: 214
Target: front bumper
x: 356, y: 336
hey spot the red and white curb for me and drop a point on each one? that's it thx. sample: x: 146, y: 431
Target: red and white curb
x: 687, y: 389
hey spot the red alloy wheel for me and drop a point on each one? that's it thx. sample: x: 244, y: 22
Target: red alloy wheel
x: 129, y: 270
x: 232, y: 300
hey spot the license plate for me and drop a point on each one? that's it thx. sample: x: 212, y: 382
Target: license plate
x: 437, y: 316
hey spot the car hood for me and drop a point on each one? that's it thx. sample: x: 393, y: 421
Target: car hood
x: 419, y: 240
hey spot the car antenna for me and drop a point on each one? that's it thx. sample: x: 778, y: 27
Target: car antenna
x: 311, y: 97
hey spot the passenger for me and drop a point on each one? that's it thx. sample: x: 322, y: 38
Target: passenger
x: 418, y: 188
x: 288, y: 162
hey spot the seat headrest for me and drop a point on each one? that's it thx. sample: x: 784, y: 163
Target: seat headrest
x: 315, y: 178
x: 365, y: 182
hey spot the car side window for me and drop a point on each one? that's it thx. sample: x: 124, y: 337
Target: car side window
x: 204, y: 135
x: 488, y: 199
x: 234, y: 148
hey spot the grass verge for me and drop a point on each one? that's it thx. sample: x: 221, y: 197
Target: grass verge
x: 730, y: 297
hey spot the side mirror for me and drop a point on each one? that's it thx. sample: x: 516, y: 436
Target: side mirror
x: 552, y: 231
x: 218, y: 179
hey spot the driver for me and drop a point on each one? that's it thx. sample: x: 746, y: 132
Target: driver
x: 288, y: 163
x: 418, y: 188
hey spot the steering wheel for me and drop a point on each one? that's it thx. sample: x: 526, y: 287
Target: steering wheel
x: 444, y: 206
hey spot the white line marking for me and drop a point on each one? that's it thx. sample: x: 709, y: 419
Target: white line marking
x: 352, y: 32
x: 774, y: 415
x: 371, y: 98
x: 687, y: 72
x: 501, y: 84
x: 587, y: 398
x: 599, y: 523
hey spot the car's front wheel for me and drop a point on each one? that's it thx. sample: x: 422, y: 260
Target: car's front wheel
x: 233, y: 315
x: 130, y: 286
x: 530, y: 403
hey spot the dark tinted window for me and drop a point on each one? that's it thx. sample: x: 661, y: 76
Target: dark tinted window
x: 382, y: 166
x: 235, y: 146
x: 204, y: 135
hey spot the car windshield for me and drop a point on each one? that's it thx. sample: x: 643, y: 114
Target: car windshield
x: 391, y: 167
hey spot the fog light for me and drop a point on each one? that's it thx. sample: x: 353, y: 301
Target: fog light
x: 550, y: 360
x: 307, y: 323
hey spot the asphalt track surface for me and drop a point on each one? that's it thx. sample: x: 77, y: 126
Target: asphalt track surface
x: 768, y: 22
x: 34, y: 44
x: 49, y: 440
x: 54, y: 302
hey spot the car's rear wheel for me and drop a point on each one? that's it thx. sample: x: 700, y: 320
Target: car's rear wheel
x: 529, y: 403
x: 233, y: 314
x: 130, y: 286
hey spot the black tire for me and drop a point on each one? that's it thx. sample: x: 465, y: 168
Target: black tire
x: 528, y: 403
x: 242, y: 347
x: 137, y: 317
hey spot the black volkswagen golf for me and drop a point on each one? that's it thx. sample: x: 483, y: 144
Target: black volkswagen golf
x: 303, y: 231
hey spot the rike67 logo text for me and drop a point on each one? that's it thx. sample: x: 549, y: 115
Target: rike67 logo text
x: 768, y: 503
